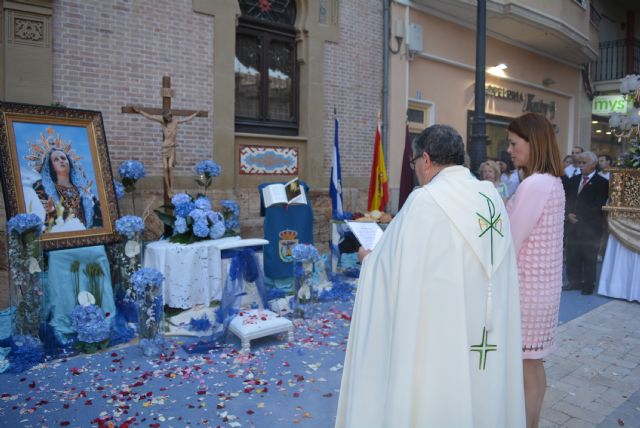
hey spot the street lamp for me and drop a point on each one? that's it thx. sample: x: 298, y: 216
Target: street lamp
x: 478, y: 144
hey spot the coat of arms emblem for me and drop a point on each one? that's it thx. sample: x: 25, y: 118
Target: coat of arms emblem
x: 288, y: 238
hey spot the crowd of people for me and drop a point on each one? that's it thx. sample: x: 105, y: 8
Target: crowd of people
x: 457, y: 305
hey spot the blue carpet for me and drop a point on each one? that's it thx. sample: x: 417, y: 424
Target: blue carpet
x: 278, y: 385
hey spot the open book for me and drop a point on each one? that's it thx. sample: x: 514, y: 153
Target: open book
x: 367, y: 233
x: 289, y: 193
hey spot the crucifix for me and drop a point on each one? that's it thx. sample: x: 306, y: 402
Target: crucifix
x: 169, y: 120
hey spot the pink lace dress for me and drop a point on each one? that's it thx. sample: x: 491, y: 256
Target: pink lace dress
x: 536, y: 213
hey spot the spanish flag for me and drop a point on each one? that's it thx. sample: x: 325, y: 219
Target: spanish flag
x: 378, y: 187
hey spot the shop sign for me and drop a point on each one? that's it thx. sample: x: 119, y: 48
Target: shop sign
x: 503, y: 93
x: 539, y: 106
x: 608, y: 104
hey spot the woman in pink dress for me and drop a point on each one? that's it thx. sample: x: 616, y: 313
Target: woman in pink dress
x: 536, y: 213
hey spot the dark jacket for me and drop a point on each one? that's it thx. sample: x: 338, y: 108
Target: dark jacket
x: 587, y: 206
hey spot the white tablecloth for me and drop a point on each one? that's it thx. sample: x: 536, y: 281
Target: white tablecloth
x: 620, y: 275
x: 193, y: 273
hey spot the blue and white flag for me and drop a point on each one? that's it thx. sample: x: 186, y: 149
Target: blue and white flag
x: 335, y: 186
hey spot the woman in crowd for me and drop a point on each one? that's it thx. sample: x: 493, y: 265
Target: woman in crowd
x: 536, y: 213
x: 509, y: 174
x: 489, y: 171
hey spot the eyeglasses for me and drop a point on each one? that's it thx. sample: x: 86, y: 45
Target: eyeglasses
x: 412, y: 161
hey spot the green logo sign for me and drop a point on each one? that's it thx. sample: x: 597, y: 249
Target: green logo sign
x: 607, y: 104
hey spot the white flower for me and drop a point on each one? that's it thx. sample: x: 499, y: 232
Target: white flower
x: 131, y: 248
x: 323, y: 286
x: 85, y: 298
x: 304, y: 293
x: 34, y: 266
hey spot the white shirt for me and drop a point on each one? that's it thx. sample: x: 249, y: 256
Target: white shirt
x: 587, y: 182
x: 571, y: 170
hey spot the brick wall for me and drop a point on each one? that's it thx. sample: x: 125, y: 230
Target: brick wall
x: 107, y: 54
x: 353, y: 85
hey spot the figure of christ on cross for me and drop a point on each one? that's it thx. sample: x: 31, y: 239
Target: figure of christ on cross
x: 169, y: 124
x: 169, y: 119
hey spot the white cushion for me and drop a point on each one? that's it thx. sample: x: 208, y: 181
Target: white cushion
x: 254, y: 323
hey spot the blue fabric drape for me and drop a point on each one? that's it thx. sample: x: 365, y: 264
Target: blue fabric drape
x: 244, y: 267
x: 60, y: 299
x: 279, y: 218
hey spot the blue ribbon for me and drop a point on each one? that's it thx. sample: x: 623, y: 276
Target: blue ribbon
x: 244, y: 267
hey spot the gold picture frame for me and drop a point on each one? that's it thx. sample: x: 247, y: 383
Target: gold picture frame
x: 55, y: 164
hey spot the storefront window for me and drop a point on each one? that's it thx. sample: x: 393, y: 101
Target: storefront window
x: 496, y: 134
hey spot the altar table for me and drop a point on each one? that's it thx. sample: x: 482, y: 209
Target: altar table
x: 620, y: 274
x: 194, y: 274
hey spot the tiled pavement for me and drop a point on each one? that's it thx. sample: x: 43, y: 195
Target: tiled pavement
x: 593, y: 376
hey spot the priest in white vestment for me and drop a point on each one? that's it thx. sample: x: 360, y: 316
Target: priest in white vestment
x: 435, y: 334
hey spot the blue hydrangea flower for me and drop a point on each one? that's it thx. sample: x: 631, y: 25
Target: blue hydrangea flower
x: 90, y: 323
x: 208, y: 168
x: 181, y: 198
x: 183, y: 204
x: 129, y: 225
x: 198, y: 215
x: 22, y: 223
x: 231, y: 206
x: 180, y: 225
x: 214, y: 216
x: 144, y: 279
x: 232, y: 223
x: 304, y: 252
x: 131, y: 169
x: 203, y: 203
x: 201, y: 229
x: 217, y: 230
x: 119, y: 188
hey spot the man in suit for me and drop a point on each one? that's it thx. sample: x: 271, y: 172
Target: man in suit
x: 586, y: 194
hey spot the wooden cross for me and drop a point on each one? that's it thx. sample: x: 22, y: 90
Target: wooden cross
x: 168, y: 131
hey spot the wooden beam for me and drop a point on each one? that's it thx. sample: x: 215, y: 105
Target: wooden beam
x: 129, y: 109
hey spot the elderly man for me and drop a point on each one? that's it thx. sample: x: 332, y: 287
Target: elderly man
x: 435, y: 338
x: 586, y: 194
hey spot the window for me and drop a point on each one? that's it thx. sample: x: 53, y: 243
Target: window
x: 418, y: 115
x: 266, y: 68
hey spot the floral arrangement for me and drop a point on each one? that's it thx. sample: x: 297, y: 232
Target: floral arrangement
x: 25, y: 259
x: 25, y: 224
x: 119, y: 189
x: 94, y: 272
x: 92, y: 326
x: 193, y: 220
x: 304, y: 252
x: 129, y: 226
x: 206, y: 169
x: 131, y: 171
x: 147, y: 284
x: 231, y: 215
x: 304, y: 257
x: 127, y: 258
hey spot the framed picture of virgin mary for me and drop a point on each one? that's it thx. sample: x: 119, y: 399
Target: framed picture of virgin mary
x: 55, y: 164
